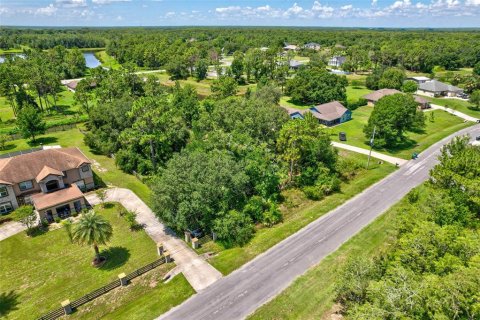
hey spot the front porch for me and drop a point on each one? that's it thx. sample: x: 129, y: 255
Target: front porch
x: 59, y: 204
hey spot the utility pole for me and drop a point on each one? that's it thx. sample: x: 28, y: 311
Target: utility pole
x: 371, y: 145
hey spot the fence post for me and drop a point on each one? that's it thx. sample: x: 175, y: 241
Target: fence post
x: 214, y: 236
x: 188, y: 237
x: 159, y: 248
x: 123, y: 280
x: 195, y: 243
x: 167, y: 256
x: 67, y: 307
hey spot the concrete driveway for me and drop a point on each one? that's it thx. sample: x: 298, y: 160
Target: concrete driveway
x: 377, y: 155
x: 199, y: 273
x: 10, y: 228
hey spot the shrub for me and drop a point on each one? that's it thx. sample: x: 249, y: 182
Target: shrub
x: 255, y: 208
x: 273, y: 215
x: 130, y: 217
x: 313, y: 192
x: 348, y: 168
x: 413, y: 196
x: 58, y: 220
x: 234, y: 228
x: 359, y: 103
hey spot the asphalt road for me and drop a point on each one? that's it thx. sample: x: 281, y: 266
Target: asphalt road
x: 243, y: 291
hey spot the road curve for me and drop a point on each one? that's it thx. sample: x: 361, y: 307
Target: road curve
x: 243, y: 291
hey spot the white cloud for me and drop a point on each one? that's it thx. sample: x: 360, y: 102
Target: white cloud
x: 71, y: 3
x: 472, y: 2
x: 374, y: 2
x: 108, y: 1
x: 47, y: 11
x: 347, y: 7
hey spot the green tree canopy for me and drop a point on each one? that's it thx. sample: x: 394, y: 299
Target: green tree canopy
x: 392, y: 116
x: 316, y: 86
x: 30, y: 123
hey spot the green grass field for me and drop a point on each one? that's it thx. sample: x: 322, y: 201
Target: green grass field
x: 107, y: 61
x: 46, y: 269
x: 103, y: 166
x: 444, y: 124
x: 458, y: 105
x: 298, y: 212
x: 312, y: 295
x: 356, y: 92
x: 146, y: 297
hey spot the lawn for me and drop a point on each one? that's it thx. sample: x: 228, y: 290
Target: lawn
x: 66, y: 109
x: 46, y: 269
x: 146, y: 297
x: 443, y: 125
x: 103, y: 166
x: 312, y: 295
x: 107, y: 60
x: 297, y: 212
x: 456, y: 104
x: 356, y: 92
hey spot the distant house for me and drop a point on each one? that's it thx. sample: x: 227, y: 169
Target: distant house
x: 72, y: 85
x: 295, y: 64
x: 290, y: 47
x: 434, y: 88
x: 337, y: 61
x: 373, y: 97
x: 328, y: 114
x: 419, y: 80
x: 51, y: 180
x: 312, y: 46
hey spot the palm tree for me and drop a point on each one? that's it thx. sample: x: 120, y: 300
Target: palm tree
x: 93, y: 230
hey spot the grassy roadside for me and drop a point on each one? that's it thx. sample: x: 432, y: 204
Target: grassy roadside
x: 146, y: 297
x: 103, y: 166
x: 311, y: 296
x: 442, y: 126
x: 107, y: 60
x: 298, y: 212
x: 457, y: 105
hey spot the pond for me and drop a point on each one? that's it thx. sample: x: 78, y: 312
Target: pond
x: 91, y: 60
x: 21, y: 55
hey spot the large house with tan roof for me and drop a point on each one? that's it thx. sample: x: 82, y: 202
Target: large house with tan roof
x: 373, y: 97
x: 52, y: 180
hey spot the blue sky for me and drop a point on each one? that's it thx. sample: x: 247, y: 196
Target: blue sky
x: 335, y: 13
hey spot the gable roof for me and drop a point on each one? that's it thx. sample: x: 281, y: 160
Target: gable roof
x: 379, y: 94
x: 46, y: 171
x: 32, y: 165
x: 72, y: 84
x: 420, y: 100
x: 437, y: 86
x: 329, y: 111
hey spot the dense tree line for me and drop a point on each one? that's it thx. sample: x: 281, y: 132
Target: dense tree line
x: 431, y: 271
x: 416, y: 50
x: 34, y: 79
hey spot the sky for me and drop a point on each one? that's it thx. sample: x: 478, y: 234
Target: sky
x: 322, y: 13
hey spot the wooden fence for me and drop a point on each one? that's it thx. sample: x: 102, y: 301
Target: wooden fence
x: 57, y: 313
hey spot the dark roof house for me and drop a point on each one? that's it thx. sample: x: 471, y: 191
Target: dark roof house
x: 436, y: 88
x: 329, y: 114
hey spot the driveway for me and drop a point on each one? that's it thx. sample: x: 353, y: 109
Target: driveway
x: 454, y: 112
x: 377, y: 155
x: 9, y: 229
x: 199, y: 273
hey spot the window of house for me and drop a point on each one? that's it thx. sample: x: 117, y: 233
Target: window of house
x: 3, y: 191
x: 25, y: 185
x: 5, y: 207
x: 85, y: 168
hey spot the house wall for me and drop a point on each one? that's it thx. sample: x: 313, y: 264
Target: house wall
x: 43, y: 213
x: 426, y: 93
x: 49, y: 178
x: 10, y: 197
x: 346, y: 116
x: 370, y: 103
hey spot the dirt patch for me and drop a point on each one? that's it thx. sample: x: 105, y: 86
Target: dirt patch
x: 334, y: 313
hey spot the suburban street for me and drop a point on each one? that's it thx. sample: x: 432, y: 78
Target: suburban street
x: 242, y: 292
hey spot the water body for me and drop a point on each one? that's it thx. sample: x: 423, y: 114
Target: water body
x: 21, y: 55
x: 91, y: 60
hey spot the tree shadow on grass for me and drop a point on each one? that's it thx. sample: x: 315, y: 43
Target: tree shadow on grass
x: 42, y: 141
x: 8, y: 146
x: 8, y: 303
x: 116, y: 257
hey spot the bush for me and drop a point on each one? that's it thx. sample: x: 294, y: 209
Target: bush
x: 255, y: 208
x: 234, y: 228
x: 58, y: 220
x: 359, y: 103
x: 313, y: 192
x: 413, y: 196
x: 130, y: 217
x: 348, y: 168
x: 272, y: 216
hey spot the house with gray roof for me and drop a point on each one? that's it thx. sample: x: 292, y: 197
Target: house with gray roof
x: 312, y: 46
x: 337, y: 61
x: 328, y: 114
x: 434, y: 88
